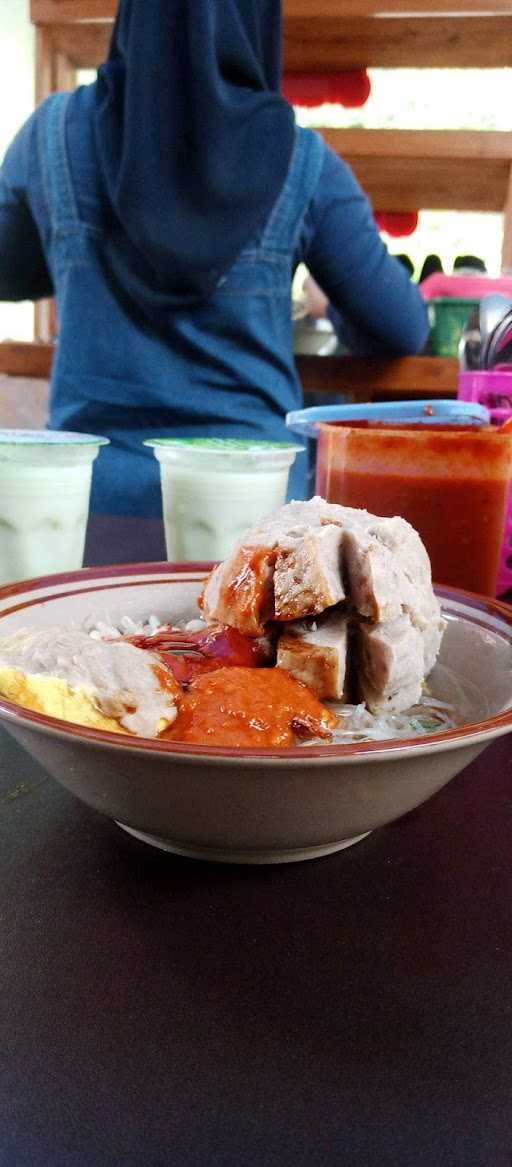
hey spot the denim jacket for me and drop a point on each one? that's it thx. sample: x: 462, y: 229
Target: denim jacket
x: 226, y: 368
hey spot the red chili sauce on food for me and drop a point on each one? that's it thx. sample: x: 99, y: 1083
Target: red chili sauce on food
x: 248, y: 591
x: 186, y: 654
x: 248, y: 707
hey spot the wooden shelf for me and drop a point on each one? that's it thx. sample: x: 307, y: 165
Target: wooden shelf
x: 73, y: 11
x: 327, y: 43
x: 405, y: 170
x: 330, y: 44
x: 381, y: 8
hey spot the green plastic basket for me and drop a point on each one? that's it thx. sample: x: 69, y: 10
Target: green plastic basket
x: 448, y: 317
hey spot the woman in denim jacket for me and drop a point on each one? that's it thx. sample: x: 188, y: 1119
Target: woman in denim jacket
x: 167, y: 206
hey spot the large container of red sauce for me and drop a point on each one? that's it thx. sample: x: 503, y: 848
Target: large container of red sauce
x: 451, y: 481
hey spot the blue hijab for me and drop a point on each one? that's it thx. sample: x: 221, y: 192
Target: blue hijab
x: 194, y: 143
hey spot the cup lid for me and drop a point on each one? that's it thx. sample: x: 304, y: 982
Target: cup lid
x: 224, y: 453
x: 16, y: 437
x: 306, y: 421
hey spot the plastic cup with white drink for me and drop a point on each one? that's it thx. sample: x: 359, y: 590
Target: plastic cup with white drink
x: 215, y: 489
x: 45, y: 482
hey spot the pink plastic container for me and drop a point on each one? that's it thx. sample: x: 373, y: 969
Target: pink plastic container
x: 493, y: 388
x: 466, y: 287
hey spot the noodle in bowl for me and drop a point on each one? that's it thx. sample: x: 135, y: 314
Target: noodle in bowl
x: 257, y: 805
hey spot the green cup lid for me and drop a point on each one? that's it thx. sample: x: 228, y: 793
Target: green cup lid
x: 219, y: 445
x: 224, y: 455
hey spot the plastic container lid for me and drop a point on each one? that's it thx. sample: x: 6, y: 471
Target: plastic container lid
x: 48, y: 447
x: 473, y: 287
x: 306, y: 421
x: 229, y: 455
x: 49, y: 438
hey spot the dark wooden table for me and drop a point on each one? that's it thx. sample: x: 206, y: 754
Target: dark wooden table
x: 355, y: 1010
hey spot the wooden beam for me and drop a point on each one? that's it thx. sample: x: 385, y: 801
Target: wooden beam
x: 60, y: 11
x: 331, y: 46
x: 484, y: 146
x: 373, y: 378
x: 404, y: 170
x: 71, y: 11
x: 320, y: 42
x: 328, y: 44
x: 20, y: 359
x: 85, y: 45
x: 353, y: 8
x: 44, y: 75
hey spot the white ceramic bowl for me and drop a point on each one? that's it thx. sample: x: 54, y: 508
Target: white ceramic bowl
x: 255, y: 806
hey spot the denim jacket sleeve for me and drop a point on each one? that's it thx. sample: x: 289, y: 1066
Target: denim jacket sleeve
x: 375, y: 308
x: 24, y: 273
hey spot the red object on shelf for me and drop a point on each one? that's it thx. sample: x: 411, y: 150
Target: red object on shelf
x: 397, y: 223
x: 351, y: 89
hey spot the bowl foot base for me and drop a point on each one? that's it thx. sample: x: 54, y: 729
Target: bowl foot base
x: 219, y: 855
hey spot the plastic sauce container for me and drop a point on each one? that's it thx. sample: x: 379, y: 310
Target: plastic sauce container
x: 445, y: 470
x: 214, y: 490
x: 45, y: 482
x: 493, y: 388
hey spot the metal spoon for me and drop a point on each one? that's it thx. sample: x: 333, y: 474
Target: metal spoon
x: 493, y: 309
x: 499, y: 348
